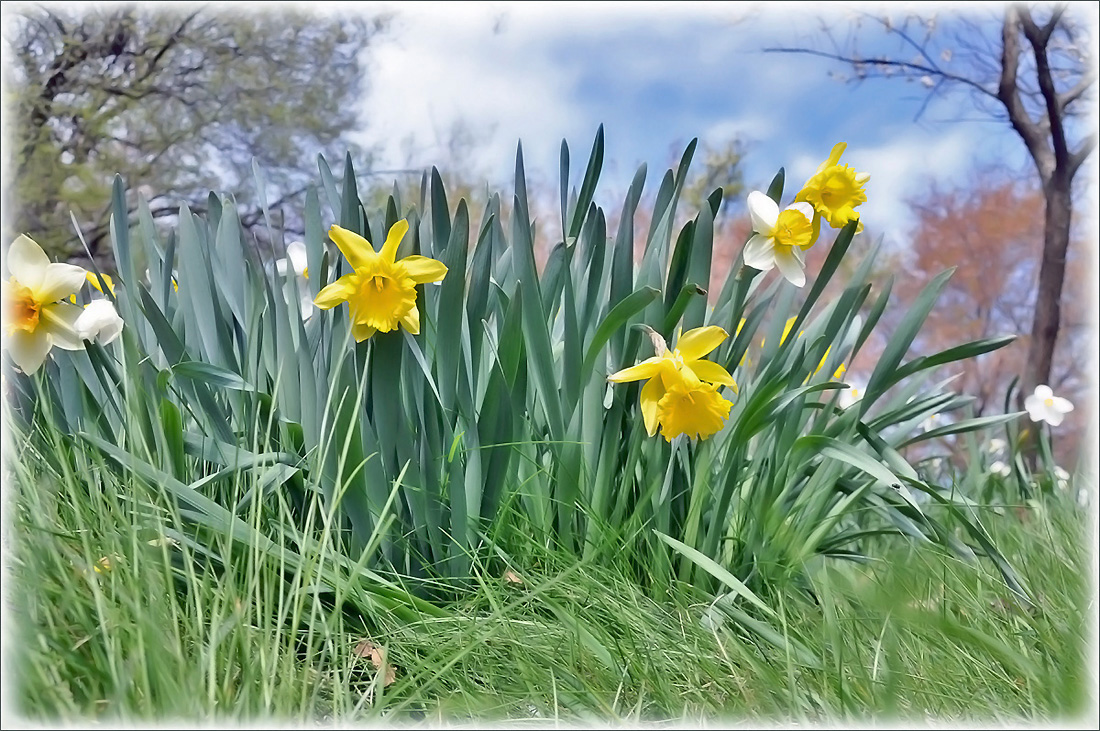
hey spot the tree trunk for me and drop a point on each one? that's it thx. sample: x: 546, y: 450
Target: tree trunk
x: 1048, y: 302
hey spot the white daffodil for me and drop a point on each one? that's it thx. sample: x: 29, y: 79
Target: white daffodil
x: 35, y: 320
x: 1043, y: 405
x: 780, y: 237
x: 295, y: 261
x: 99, y: 321
x: 1061, y: 478
x: 1000, y: 469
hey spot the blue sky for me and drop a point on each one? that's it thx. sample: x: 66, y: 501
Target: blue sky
x: 656, y: 75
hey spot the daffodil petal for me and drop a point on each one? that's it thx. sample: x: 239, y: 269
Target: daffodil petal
x: 424, y: 270
x: 1062, y: 404
x: 393, y: 239
x: 760, y: 252
x: 296, y: 256
x: 59, y: 281
x: 694, y: 344
x: 337, y: 292
x: 27, y: 263
x: 411, y: 321
x: 29, y: 350
x: 648, y: 368
x: 763, y: 211
x: 361, y: 332
x: 791, y: 267
x: 652, y: 393
x: 711, y: 372
x: 356, y: 249
x: 59, y: 320
x: 834, y: 155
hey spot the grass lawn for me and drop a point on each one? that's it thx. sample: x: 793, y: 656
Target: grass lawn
x: 917, y: 634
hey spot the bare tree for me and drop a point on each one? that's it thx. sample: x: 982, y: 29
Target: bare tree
x: 1028, y: 67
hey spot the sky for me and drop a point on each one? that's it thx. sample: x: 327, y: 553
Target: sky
x: 656, y: 75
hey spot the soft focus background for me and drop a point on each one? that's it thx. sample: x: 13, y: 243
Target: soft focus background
x: 181, y: 102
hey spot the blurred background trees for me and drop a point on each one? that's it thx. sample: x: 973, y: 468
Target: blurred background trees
x: 178, y: 102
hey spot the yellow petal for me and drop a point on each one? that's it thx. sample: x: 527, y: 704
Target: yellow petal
x: 711, y: 372
x: 361, y: 331
x: 337, y: 292
x: 393, y: 239
x: 424, y: 270
x: 652, y: 393
x: 648, y: 368
x: 411, y: 321
x: 698, y: 342
x: 834, y: 156
x: 356, y: 249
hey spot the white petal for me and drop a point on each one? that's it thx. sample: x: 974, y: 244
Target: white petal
x: 791, y: 267
x: 1043, y: 392
x: 59, y: 320
x: 296, y: 253
x: 99, y: 321
x: 804, y: 208
x: 760, y: 252
x: 29, y: 350
x: 27, y: 263
x: 1062, y: 405
x: 59, y: 281
x: 1032, y: 404
x: 763, y: 211
x: 280, y: 266
x: 1054, y: 418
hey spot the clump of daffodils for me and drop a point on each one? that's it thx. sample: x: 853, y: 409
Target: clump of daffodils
x: 781, y: 237
x: 681, y: 393
x: 36, y: 316
x: 381, y: 290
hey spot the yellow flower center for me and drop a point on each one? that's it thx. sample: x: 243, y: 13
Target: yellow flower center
x: 386, y: 293
x: 835, y: 192
x: 23, y: 309
x: 693, y: 409
x: 1049, y: 403
x: 793, y: 229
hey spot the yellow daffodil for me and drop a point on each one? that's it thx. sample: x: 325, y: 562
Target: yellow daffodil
x: 381, y: 291
x: 780, y: 237
x: 681, y: 393
x: 834, y: 191
x: 35, y: 320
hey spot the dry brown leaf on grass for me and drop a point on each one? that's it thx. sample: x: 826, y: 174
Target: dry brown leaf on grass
x: 512, y: 577
x: 377, y: 655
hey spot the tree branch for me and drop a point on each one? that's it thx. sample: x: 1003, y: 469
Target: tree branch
x: 1009, y: 95
x: 909, y: 66
x: 1072, y: 95
x: 1038, y: 38
x: 1076, y: 158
